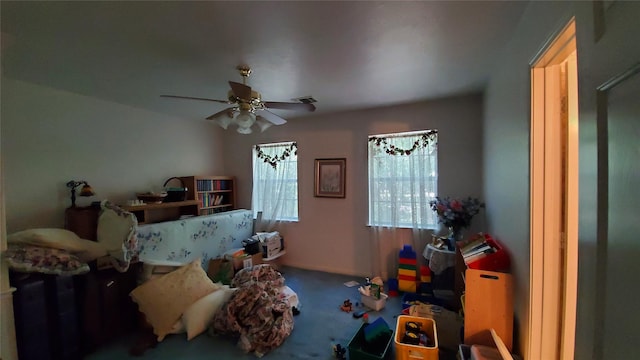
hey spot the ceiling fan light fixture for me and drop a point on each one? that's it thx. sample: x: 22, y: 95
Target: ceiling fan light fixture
x: 244, y: 130
x: 223, y: 121
x: 245, y: 102
x: 263, y: 124
x: 245, y: 119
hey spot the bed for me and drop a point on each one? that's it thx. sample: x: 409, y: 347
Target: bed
x: 186, y: 300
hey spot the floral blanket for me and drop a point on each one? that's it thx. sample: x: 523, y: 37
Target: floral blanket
x: 205, y: 237
x: 256, y: 313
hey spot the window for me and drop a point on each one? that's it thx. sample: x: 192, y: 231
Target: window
x: 275, y: 181
x: 403, y: 178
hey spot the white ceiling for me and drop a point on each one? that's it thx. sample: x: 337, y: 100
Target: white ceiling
x: 347, y: 55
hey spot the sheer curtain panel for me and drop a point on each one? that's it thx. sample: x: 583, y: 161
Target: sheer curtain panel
x: 275, y: 184
x: 403, y: 179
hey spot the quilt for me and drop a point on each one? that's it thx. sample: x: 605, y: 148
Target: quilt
x: 204, y: 237
x: 256, y: 314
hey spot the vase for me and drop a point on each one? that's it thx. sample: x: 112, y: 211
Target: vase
x: 455, y: 235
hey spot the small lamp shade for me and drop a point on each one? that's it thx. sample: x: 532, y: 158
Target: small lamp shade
x: 223, y: 121
x: 263, y: 124
x: 86, y: 190
x: 244, y: 130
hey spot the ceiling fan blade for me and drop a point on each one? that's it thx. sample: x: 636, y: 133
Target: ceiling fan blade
x: 241, y: 91
x: 195, y: 98
x: 229, y: 111
x: 271, y: 117
x: 289, y: 106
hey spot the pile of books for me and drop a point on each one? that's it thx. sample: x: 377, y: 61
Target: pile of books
x: 477, y: 249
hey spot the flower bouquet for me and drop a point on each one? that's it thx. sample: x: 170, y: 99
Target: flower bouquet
x: 455, y: 214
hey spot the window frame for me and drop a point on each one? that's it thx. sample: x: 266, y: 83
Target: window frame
x: 291, y: 145
x: 424, y: 208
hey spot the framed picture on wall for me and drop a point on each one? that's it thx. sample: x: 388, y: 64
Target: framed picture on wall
x: 330, y: 177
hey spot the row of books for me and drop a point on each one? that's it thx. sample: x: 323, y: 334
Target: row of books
x: 212, y: 185
x: 477, y: 249
x: 211, y: 200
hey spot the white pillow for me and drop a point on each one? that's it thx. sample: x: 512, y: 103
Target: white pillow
x: 178, y: 328
x: 85, y: 250
x: 117, y: 231
x: 199, y: 315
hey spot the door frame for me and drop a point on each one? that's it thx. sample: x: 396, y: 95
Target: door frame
x: 553, y: 272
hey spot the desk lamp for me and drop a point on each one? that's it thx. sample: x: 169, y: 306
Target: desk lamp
x: 86, y: 190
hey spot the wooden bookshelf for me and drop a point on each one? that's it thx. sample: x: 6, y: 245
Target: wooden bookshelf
x: 152, y: 213
x: 214, y: 194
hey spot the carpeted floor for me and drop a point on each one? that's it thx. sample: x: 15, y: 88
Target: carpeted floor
x: 319, y: 325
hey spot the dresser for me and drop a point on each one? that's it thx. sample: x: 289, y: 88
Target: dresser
x: 105, y: 308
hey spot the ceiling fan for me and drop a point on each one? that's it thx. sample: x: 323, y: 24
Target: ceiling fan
x: 248, y: 107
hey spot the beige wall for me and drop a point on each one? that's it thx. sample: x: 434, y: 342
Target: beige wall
x: 506, y: 159
x: 331, y: 234
x: 120, y: 150
x: 50, y: 137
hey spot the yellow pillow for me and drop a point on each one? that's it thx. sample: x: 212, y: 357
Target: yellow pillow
x: 164, y: 299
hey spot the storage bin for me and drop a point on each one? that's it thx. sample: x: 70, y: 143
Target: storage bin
x: 373, y: 303
x: 359, y: 349
x: 497, y: 261
x: 488, y: 305
x: 411, y: 352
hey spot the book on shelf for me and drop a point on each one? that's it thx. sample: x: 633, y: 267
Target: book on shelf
x: 477, y: 250
x: 472, y: 244
x: 470, y: 259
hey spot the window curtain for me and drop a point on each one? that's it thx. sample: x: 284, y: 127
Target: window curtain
x: 275, y: 185
x: 403, y: 177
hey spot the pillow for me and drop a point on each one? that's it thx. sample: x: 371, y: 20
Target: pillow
x: 27, y: 258
x: 86, y: 250
x: 199, y: 316
x: 164, y: 299
x: 117, y: 231
x: 177, y: 328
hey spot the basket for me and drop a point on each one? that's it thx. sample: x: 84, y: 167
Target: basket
x: 175, y: 193
x: 373, y: 303
x: 360, y: 349
x: 151, y: 198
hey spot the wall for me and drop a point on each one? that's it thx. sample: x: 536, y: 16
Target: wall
x: 50, y: 137
x: 506, y: 156
x: 331, y: 234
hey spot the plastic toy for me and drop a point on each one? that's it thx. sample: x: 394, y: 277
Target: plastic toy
x: 346, y: 306
x: 339, y: 352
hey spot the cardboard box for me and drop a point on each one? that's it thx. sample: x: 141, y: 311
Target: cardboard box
x: 246, y: 261
x: 271, y: 246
